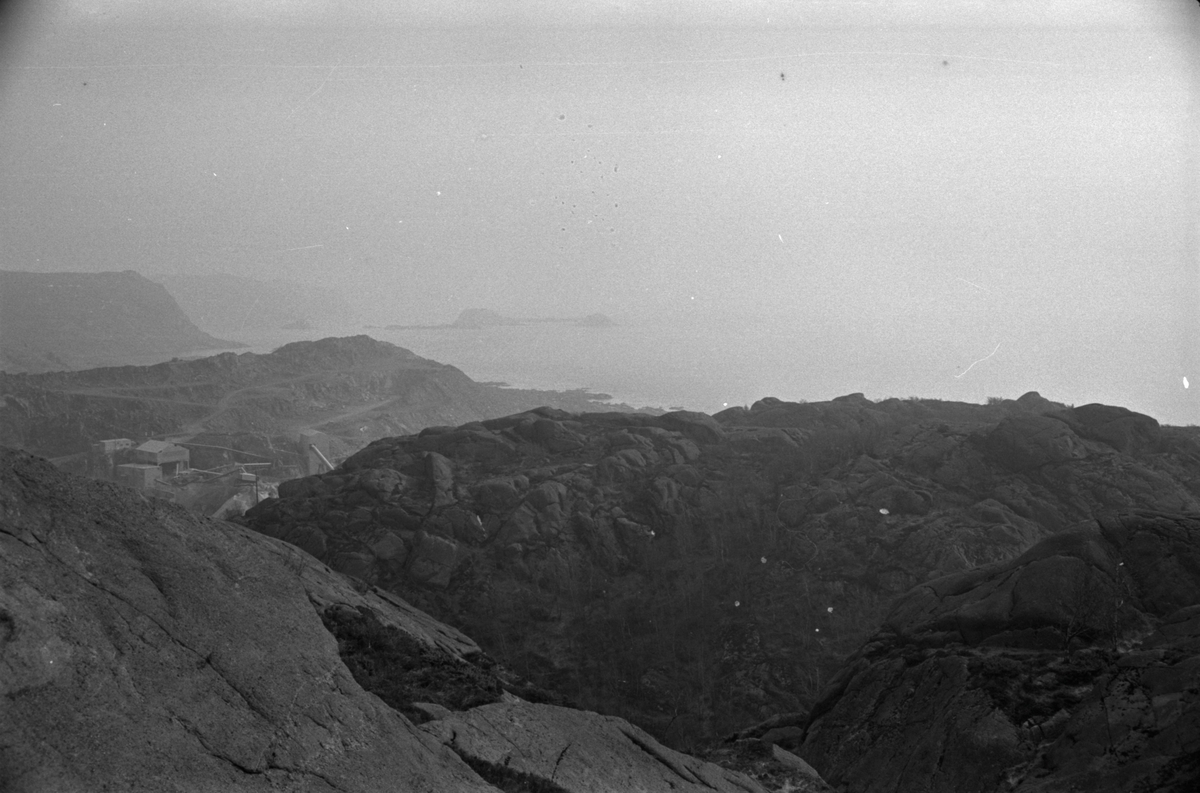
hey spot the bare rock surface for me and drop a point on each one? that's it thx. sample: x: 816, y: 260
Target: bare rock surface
x: 699, y: 574
x: 1075, y: 666
x: 560, y: 749
x: 144, y: 649
x: 756, y: 751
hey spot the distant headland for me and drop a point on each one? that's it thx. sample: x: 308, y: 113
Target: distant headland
x: 475, y: 318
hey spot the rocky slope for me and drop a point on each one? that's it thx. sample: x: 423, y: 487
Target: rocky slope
x: 1075, y: 666
x: 60, y: 321
x: 143, y: 648
x: 698, y: 574
x: 356, y: 389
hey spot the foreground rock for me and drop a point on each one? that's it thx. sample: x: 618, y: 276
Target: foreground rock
x: 1073, y: 667
x: 143, y: 648
x: 699, y: 574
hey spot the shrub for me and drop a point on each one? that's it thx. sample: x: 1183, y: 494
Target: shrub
x: 401, y: 670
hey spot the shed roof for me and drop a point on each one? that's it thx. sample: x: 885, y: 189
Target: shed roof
x: 155, y: 446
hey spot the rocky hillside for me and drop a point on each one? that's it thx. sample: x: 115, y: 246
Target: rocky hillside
x: 699, y: 574
x: 1075, y: 666
x: 60, y: 321
x: 146, y: 649
x: 356, y: 389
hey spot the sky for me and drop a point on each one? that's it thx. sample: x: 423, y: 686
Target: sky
x: 1010, y: 178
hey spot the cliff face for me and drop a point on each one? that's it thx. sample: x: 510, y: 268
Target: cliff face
x: 61, y: 321
x: 145, y: 649
x: 353, y: 388
x: 698, y: 574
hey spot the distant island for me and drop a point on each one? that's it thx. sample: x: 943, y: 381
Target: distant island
x: 475, y: 318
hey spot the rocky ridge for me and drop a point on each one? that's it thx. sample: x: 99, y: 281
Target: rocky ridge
x: 698, y: 574
x: 145, y: 648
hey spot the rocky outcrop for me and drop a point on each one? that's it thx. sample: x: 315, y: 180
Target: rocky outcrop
x: 551, y: 748
x: 1023, y: 443
x: 757, y: 752
x: 699, y: 574
x: 58, y: 321
x: 1118, y: 427
x: 1075, y: 666
x: 146, y: 649
x: 143, y: 648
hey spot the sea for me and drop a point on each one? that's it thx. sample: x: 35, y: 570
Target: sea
x: 711, y: 366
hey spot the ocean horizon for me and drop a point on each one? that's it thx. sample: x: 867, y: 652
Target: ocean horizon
x: 709, y: 366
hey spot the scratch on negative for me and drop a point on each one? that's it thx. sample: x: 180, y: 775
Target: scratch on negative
x: 319, y: 87
x: 981, y: 360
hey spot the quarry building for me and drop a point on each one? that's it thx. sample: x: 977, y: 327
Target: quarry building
x: 118, y: 459
x: 162, y: 469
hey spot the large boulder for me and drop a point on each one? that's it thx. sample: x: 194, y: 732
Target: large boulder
x: 1065, y: 585
x: 471, y: 441
x: 432, y: 559
x: 1034, y: 402
x: 1029, y: 442
x: 698, y: 427
x: 495, y: 495
x: 1120, y: 428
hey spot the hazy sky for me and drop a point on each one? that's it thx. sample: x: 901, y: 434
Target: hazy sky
x: 929, y: 173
